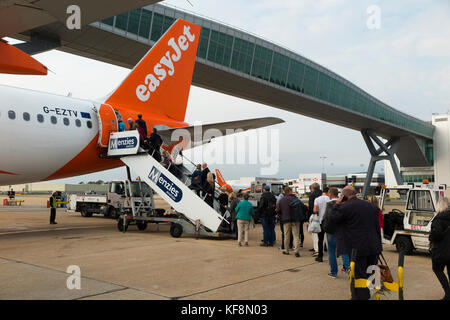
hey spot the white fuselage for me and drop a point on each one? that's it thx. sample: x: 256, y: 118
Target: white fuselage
x: 31, y: 150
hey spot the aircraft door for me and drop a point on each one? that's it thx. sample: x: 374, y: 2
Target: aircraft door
x: 107, y: 121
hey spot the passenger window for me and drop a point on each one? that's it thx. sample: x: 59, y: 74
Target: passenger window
x: 11, y: 114
x: 26, y: 116
x: 66, y: 121
x: 53, y: 119
x: 89, y: 124
x: 40, y: 118
x: 78, y: 123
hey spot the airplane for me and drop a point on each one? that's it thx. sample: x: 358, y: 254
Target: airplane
x: 230, y: 188
x: 45, y: 136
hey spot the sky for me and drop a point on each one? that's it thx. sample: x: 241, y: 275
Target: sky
x: 404, y: 63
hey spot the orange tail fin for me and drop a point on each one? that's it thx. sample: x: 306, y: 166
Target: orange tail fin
x: 222, y: 181
x: 161, y: 81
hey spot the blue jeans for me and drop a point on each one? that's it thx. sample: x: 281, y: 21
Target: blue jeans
x: 234, y: 229
x: 331, y: 240
x: 346, y: 261
x: 268, y: 224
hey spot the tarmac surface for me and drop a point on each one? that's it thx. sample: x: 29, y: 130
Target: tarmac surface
x: 150, y: 264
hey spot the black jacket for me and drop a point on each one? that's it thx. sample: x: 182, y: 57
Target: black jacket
x: 440, y: 238
x: 326, y: 218
x: 142, y: 125
x: 285, y: 209
x: 312, y: 197
x: 264, y: 209
x: 358, y: 228
x: 155, y: 141
x: 205, y: 176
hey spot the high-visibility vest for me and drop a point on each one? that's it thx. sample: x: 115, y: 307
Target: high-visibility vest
x: 53, y: 206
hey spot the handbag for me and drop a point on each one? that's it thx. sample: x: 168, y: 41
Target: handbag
x: 314, y: 226
x: 385, y: 272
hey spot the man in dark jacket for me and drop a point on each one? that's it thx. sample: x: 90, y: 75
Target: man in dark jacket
x: 440, y: 247
x: 155, y: 143
x: 142, y: 124
x: 290, y: 221
x: 266, y: 212
x: 205, y: 171
x: 358, y: 220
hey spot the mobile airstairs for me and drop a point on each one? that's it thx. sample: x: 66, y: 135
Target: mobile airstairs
x: 190, y: 213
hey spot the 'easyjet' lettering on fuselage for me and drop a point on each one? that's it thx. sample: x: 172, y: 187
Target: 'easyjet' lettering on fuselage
x: 152, y: 81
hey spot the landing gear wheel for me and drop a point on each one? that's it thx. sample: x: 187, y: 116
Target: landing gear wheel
x: 176, y: 230
x: 85, y: 213
x: 404, y: 244
x: 142, y: 225
x: 120, y: 225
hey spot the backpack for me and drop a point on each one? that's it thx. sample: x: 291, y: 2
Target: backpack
x: 297, y: 210
x: 331, y: 229
x: 271, y: 205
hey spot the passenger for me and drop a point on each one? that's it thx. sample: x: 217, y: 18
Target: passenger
x: 315, y: 192
x: 196, y: 179
x: 320, y: 205
x: 223, y: 200
x: 333, y: 194
x: 440, y: 244
x: 130, y: 124
x: 234, y: 200
x: 155, y: 143
x: 277, y: 209
x: 357, y: 221
x: 374, y: 200
x: 142, y: 138
x: 291, y: 223
x: 205, y: 171
x: 142, y: 124
x: 178, y: 162
x: 244, y: 212
x: 209, y: 189
x: 266, y: 212
x: 121, y: 124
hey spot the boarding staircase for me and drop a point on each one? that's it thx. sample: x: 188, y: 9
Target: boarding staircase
x: 173, y: 190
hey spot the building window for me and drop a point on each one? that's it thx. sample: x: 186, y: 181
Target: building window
x: 26, y: 116
x: 40, y: 118
x: 66, y: 121
x: 78, y: 123
x: 53, y: 119
x: 89, y: 124
x: 11, y: 114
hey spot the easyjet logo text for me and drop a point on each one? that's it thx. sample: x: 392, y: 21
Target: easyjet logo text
x: 166, y: 65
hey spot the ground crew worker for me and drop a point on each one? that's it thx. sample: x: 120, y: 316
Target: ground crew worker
x: 53, y: 205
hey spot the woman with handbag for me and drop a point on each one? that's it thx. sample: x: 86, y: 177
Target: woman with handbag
x: 440, y: 244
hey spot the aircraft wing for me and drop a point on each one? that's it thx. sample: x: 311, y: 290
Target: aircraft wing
x: 17, y: 16
x: 194, y: 136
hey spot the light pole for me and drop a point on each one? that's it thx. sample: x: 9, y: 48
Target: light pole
x: 323, y: 163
